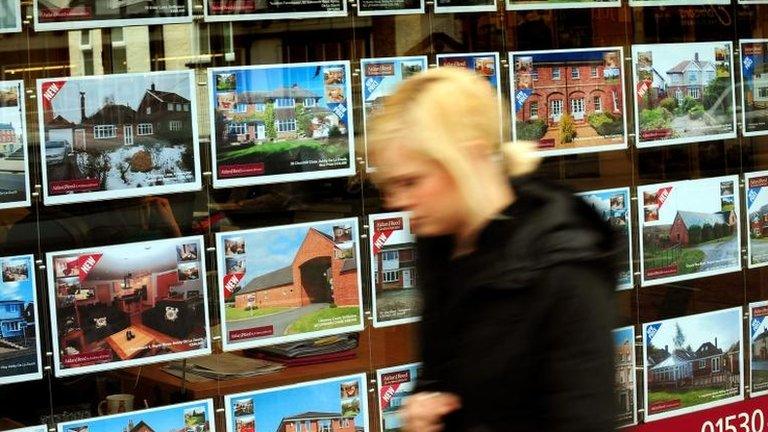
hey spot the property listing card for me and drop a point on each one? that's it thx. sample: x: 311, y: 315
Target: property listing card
x: 692, y: 363
x: 380, y: 78
x: 569, y: 101
x: 754, y: 86
x: 250, y: 10
x: 758, y: 348
x: 14, y: 166
x: 560, y: 4
x: 128, y: 305
x: 756, y: 186
x: 334, y: 404
x: 197, y: 416
x: 683, y: 93
x: 613, y: 206
x: 10, y: 16
x: 118, y: 136
x: 80, y: 14
x: 289, y: 283
x: 625, y: 389
x: 20, y: 358
x: 389, y: 7
x: 689, y: 229
x: 279, y: 123
x: 395, y: 384
x: 458, y: 6
x: 396, y: 296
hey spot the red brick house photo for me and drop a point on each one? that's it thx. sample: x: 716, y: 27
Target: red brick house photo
x: 318, y: 422
x: 722, y: 224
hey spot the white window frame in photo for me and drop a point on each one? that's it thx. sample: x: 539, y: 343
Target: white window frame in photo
x: 535, y: 74
x: 597, y: 101
x: 593, y: 72
x: 310, y: 102
x: 99, y: 131
x: 175, y: 125
x: 279, y: 102
x: 534, y: 107
x: 575, y: 73
x: 238, y: 128
x: 556, y: 74
x: 143, y: 129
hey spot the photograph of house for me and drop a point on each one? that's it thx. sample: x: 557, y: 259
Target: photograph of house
x: 380, y: 78
x: 14, y: 175
x: 194, y: 416
x: 758, y: 350
x: 126, y: 305
x: 396, y: 298
x: 395, y: 384
x: 683, y: 93
x: 118, y: 136
x: 569, y: 101
x: 239, y: 10
x: 294, y: 282
x: 285, y: 122
x: 757, y: 218
x: 692, y: 363
x: 613, y: 206
x: 689, y: 229
x: 74, y: 14
x: 19, y: 333
x: 303, y: 407
x: 754, y: 86
x: 624, y: 387
x: 10, y: 16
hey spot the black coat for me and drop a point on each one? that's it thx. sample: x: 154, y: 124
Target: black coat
x: 521, y: 328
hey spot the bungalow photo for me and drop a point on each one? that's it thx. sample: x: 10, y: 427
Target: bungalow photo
x: 292, y: 282
x: 307, y: 406
x: 624, y: 383
x: 683, y: 93
x: 395, y: 384
x: 569, y: 101
x: 124, y: 305
x: 14, y: 190
x: 19, y: 335
x: 396, y: 298
x: 613, y: 206
x: 186, y: 417
x: 274, y: 123
x: 754, y: 86
x: 757, y: 215
x: 380, y: 78
x: 758, y: 349
x: 689, y: 229
x: 118, y: 136
x: 692, y: 363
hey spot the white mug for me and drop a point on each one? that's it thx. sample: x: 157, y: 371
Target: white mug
x: 117, y: 403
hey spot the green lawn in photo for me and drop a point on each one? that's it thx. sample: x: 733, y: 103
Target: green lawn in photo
x: 759, y: 376
x: 687, y: 398
x: 330, y: 148
x: 234, y: 314
x: 309, y: 323
x: 688, y: 260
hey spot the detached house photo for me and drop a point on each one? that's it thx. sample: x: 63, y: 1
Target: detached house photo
x: 569, y: 100
x: 624, y: 363
x: 297, y: 281
x: 693, y: 360
x: 121, y: 132
x: 126, y: 302
x: 282, y: 119
x: 684, y: 91
x: 18, y: 329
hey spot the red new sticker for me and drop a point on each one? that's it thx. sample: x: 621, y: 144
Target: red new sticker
x: 231, y: 281
x: 86, y: 263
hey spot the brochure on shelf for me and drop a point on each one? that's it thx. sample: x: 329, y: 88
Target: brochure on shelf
x: 289, y: 283
x: 20, y: 358
x: 14, y: 157
x: 280, y: 123
x: 692, y: 363
x: 395, y: 384
x: 614, y: 207
x: 569, y: 101
x: 250, y: 10
x: 380, y: 78
x: 389, y: 7
x: 82, y: 14
x: 754, y: 86
x: 689, y: 229
x: 127, y: 305
x: 197, y: 416
x: 334, y: 404
x: 396, y: 296
x: 683, y: 93
x: 10, y: 16
x: 625, y: 389
x: 118, y: 136
x: 758, y: 350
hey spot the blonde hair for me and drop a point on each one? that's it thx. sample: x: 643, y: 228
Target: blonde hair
x: 438, y: 111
